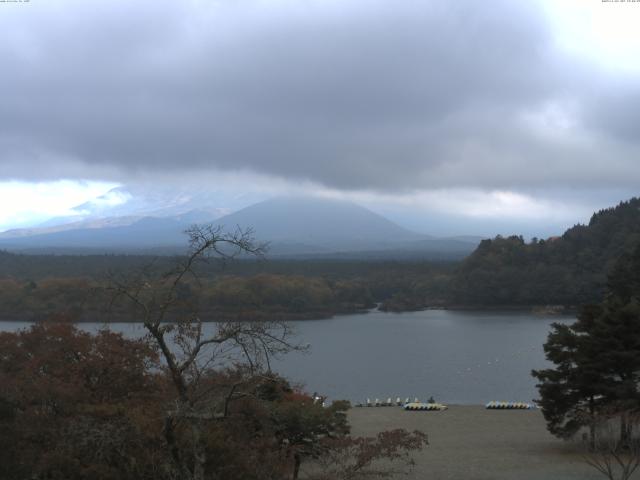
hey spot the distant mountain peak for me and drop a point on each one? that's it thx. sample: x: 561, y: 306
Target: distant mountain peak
x: 294, y: 225
x: 320, y: 221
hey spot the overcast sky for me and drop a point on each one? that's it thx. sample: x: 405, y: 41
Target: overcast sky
x: 443, y: 115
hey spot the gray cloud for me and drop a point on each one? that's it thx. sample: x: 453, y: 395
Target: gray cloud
x: 352, y: 94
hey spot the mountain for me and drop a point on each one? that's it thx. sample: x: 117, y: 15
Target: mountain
x: 311, y: 227
x: 294, y: 226
x: 567, y: 270
x: 147, y: 233
x: 74, y: 224
x: 324, y: 223
x: 137, y: 201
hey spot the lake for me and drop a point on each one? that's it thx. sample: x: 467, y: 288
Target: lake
x: 458, y: 357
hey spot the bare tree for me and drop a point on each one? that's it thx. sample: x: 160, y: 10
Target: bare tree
x: 190, y: 348
x: 386, y: 455
x: 613, y: 448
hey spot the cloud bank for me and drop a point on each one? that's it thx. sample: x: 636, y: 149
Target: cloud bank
x: 351, y: 95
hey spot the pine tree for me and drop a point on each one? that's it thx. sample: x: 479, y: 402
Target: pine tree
x: 597, y: 359
x: 570, y: 393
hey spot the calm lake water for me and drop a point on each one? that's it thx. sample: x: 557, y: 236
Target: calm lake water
x: 456, y: 357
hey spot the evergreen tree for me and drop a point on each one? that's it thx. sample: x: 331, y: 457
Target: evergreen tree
x: 570, y: 393
x: 597, y: 359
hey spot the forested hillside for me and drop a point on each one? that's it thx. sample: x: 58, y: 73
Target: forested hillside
x: 38, y: 286
x: 566, y: 270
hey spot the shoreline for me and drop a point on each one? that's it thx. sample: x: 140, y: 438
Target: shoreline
x: 559, y: 310
x: 536, y: 310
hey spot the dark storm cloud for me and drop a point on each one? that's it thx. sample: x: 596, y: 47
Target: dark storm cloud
x: 351, y: 94
x: 615, y: 109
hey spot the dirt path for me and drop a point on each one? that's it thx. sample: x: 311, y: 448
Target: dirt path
x: 472, y: 443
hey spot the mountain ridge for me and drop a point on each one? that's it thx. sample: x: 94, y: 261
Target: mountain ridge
x: 293, y: 226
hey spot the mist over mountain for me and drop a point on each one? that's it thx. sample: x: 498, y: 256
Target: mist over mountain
x: 293, y: 226
x: 330, y: 223
x: 133, y: 202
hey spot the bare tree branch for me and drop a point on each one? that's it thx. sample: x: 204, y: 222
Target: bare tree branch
x: 180, y: 337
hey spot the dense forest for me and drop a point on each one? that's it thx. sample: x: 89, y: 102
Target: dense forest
x: 568, y: 270
x: 35, y: 287
x: 565, y: 271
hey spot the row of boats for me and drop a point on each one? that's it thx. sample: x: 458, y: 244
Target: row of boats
x: 388, y: 403
x: 425, y: 406
x: 509, y: 406
x: 433, y: 405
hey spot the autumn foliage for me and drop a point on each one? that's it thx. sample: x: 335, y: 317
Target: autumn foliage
x: 74, y: 405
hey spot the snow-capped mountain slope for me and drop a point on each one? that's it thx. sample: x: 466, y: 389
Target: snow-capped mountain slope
x: 293, y: 226
x: 135, y: 202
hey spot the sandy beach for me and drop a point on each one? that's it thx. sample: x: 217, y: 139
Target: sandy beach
x: 472, y: 443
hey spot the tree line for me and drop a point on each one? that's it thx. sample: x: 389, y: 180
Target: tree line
x: 241, y: 289
x: 263, y: 296
x: 568, y: 270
